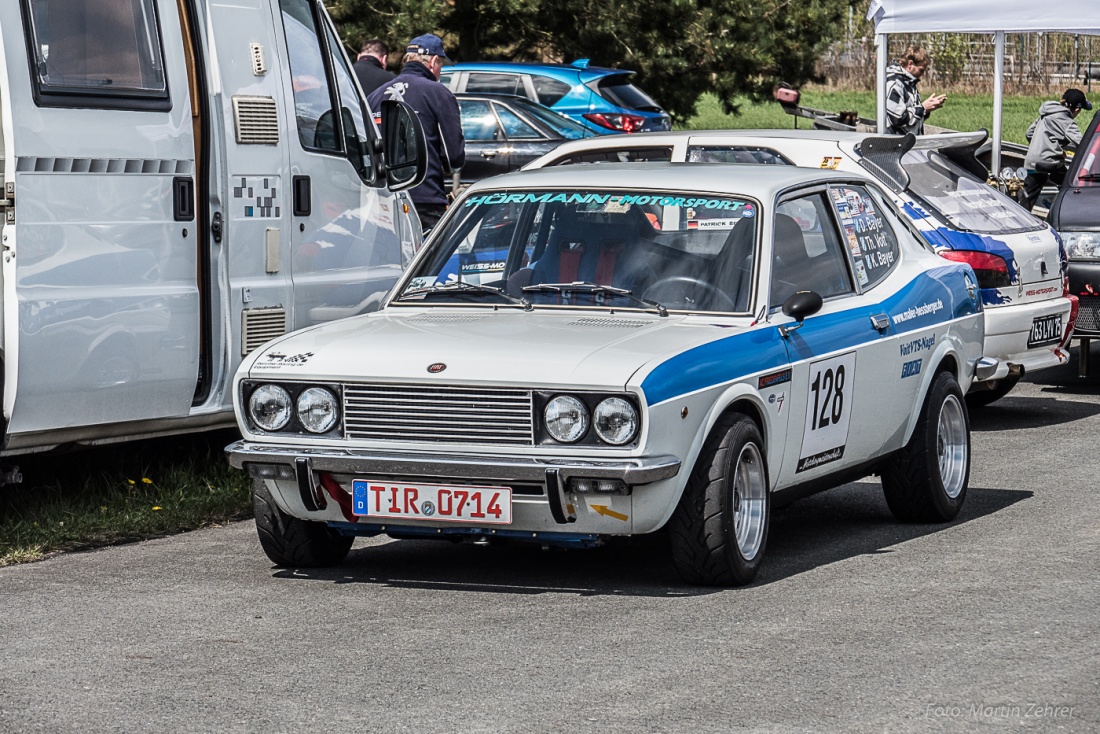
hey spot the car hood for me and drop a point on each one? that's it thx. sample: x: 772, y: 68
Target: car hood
x: 582, y: 349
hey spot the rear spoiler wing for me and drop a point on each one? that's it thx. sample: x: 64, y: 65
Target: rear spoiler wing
x: 882, y: 154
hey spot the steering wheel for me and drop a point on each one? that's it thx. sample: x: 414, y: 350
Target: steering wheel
x: 685, y: 290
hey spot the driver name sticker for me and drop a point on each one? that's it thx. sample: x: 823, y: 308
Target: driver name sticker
x: 828, y: 411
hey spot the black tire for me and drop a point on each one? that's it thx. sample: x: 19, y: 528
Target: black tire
x: 982, y: 398
x: 291, y: 542
x: 926, y: 481
x: 704, y: 529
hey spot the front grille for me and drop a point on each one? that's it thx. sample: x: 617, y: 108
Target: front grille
x: 1088, y: 314
x: 433, y: 414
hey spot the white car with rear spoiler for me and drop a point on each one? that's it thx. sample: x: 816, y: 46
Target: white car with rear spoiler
x: 938, y: 182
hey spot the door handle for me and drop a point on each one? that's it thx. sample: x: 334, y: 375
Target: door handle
x: 183, y: 199
x: 303, y: 196
x: 880, y: 321
x: 488, y: 154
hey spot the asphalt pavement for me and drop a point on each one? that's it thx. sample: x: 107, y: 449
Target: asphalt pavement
x: 856, y: 622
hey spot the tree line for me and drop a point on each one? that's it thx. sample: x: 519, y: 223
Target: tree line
x: 679, y: 48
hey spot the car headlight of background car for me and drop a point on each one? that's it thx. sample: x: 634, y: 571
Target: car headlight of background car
x: 1082, y: 245
x: 593, y: 419
x: 300, y: 408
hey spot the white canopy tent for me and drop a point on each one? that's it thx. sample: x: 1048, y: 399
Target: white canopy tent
x: 977, y: 16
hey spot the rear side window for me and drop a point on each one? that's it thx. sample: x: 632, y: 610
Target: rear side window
x: 548, y: 91
x: 869, y: 239
x: 96, y: 54
x: 736, y: 154
x: 618, y: 90
x: 964, y: 202
x: 628, y: 155
x: 482, y: 83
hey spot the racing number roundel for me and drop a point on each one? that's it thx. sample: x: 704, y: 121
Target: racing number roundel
x: 828, y: 411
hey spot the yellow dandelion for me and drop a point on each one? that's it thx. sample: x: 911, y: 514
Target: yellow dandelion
x: 156, y: 507
x: 146, y: 480
x: 131, y: 481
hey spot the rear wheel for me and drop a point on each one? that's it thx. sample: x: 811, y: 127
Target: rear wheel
x: 926, y: 480
x: 720, y: 527
x: 288, y: 541
x: 982, y: 398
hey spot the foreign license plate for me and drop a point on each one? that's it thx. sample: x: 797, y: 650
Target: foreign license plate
x: 450, y: 503
x: 1045, y: 330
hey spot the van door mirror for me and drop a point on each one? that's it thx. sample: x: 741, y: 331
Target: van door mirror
x: 404, y: 147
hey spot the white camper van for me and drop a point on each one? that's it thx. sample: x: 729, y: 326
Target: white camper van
x: 178, y: 188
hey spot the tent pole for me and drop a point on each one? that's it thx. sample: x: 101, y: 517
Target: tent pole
x: 998, y: 97
x: 880, y: 82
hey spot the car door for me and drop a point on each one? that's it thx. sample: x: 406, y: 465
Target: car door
x: 487, y: 152
x: 836, y: 354
x: 101, y: 296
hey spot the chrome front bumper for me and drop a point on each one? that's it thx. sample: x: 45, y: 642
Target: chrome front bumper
x: 301, y: 463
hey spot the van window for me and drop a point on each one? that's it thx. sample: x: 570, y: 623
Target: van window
x: 84, y: 54
x: 312, y: 95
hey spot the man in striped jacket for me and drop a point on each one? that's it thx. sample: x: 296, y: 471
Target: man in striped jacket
x: 905, y: 112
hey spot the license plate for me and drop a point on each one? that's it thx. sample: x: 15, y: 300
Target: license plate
x: 1045, y: 330
x: 450, y: 503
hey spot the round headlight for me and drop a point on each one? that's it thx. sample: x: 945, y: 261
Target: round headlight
x: 616, y: 421
x: 566, y: 419
x: 318, y: 410
x: 270, y: 407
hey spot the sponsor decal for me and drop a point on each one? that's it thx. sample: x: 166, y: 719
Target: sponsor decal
x: 777, y: 399
x: 775, y: 378
x: 436, y: 367
x: 1042, y: 291
x: 274, y: 360
x: 911, y: 368
x: 830, y: 162
x: 485, y: 267
x: 825, y: 457
x: 917, y: 345
x: 575, y: 197
x: 922, y: 310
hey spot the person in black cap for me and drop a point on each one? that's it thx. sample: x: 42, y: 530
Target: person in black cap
x: 1051, y: 133
x: 370, y: 67
x: 418, y: 86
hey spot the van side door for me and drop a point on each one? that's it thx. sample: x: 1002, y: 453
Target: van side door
x: 101, y: 300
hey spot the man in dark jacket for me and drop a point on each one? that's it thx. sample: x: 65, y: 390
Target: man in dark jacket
x: 1051, y: 133
x: 418, y: 86
x: 905, y: 112
x: 370, y: 67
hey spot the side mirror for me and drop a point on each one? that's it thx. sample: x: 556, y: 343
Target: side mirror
x: 798, y: 307
x: 404, y: 146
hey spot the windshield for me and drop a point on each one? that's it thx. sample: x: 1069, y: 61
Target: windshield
x: 684, y: 251
x: 558, y: 123
x: 1089, y: 173
x: 967, y: 204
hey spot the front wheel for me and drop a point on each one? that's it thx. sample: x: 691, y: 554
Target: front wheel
x: 926, y: 480
x: 291, y: 542
x: 720, y: 527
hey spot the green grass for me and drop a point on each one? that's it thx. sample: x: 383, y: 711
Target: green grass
x: 118, y: 494
x: 961, y: 112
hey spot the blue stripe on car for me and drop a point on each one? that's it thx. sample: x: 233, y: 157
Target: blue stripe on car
x: 762, y: 349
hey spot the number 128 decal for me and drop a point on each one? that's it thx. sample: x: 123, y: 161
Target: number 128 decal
x: 828, y: 411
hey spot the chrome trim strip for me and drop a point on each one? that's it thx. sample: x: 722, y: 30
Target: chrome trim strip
x: 644, y: 470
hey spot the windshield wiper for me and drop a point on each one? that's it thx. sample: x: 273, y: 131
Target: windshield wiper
x: 461, y: 286
x: 595, y: 289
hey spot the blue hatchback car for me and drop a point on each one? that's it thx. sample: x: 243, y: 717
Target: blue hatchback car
x: 602, y: 99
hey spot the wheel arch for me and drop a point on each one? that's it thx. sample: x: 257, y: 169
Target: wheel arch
x: 945, y: 359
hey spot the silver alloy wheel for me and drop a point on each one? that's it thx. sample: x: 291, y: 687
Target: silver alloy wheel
x: 749, y: 501
x: 951, y: 446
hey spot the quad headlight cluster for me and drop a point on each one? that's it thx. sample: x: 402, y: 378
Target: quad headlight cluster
x: 294, y: 408
x: 589, y: 418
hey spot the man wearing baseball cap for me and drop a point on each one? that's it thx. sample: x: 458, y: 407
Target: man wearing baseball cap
x: 418, y: 86
x: 1050, y: 135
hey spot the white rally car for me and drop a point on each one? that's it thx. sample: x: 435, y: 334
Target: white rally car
x: 1019, y: 260
x: 588, y: 352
